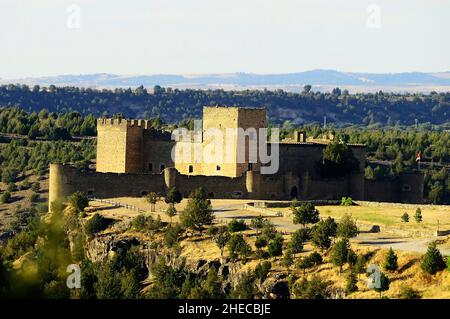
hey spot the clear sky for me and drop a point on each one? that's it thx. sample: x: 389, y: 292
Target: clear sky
x: 51, y: 37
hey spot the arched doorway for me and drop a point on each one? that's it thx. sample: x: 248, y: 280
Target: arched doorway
x: 294, y: 192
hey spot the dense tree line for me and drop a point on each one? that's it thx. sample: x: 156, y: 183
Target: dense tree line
x: 392, y: 151
x: 43, y: 124
x: 21, y: 155
x: 174, y: 105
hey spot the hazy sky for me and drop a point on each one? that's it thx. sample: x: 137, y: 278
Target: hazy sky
x: 50, y: 37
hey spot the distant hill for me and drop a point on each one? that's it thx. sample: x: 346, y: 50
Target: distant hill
x: 322, y: 80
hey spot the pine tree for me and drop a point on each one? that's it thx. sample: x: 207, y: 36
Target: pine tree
x: 171, y: 211
x: 405, y: 218
x: 418, y: 215
x: 351, y: 283
x: 390, y: 262
x: 384, y: 284
x: 360, y: 265
x: 339, y: 254
x: 432, y: 261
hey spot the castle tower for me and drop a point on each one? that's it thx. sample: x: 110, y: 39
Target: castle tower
x: 239, y: 128
x: 120, y: 146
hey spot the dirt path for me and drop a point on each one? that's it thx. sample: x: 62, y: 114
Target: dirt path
x: 418, y: 245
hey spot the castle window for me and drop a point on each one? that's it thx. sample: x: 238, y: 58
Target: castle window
x: 162, y: 167
x: 150, y: 167
x: 191, y: 168
x: 250, y: 166
x: 406, y: 188
x: 218, y: 167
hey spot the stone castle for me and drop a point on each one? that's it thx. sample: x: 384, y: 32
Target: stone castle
x: 133, y: 159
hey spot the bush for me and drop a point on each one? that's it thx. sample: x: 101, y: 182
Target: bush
x: 24, y: 185
x: 245, y: 288
x: 236, y: 225
x: 405, y: 218
x: 409, y: 293
x: 146, y: 223
x: 316, y: 288
x: 310, y: 261
x: 298, y: 238
x: 36, y: 187
x: 262, y: 270
x: 34, y: 197
x: 275, y: 247
x: 173, y: 196
x: 347, y: 227
x: 12, y: 187
x: 237, y: 246
x: 418, y: 215
x: 5, y: 198
x: 95, y: 224
x: 171, y: 235
x: 351, y: 283
x: 78, y: 201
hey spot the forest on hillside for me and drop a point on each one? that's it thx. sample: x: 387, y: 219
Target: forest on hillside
x: 174, y: 105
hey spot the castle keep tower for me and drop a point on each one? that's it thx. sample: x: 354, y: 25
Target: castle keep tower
x: 236, y: 127
x: 119, y: 145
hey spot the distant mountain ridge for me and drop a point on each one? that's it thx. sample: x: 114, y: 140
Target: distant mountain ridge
x: 317, y: 78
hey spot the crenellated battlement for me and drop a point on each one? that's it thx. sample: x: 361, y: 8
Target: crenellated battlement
x: 119, y: 122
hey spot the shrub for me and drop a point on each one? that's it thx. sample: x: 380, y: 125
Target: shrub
x: 171, y: 211
x: 347, y: 227
x: 36, y: 187
x: 316, y: 288
x: 236, y: 225
x: 5, y: 198
x: 173, y: 196
x: 171, y: 235
x: 298, y: 238
x: 245, y: 288
x: 409, y: 293
x: 275, y: 247
x: 287, y: 259
x: 24, y: 185
x: 418, y: 215
x: 34, y: 197
x: 360, y: 265
x: 237, y: 246
x: 310, y: 261
x: 139, y: 222
x: 405, y: 218
x: 78, y: 201
x: 351, y: 283
x: 95, y: 224
x: 221, y: 237
x: 12, y: 187
x: 262, y: 270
